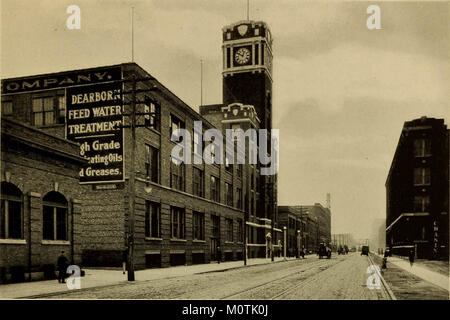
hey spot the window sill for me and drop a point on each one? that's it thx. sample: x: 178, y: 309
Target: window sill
x: 229, y: 242
x: 13, y: 241
x: 178, y: 240
x: 422, y: 185
x: 199, y: 241
x: 153, y: 239
x: 55, y: 242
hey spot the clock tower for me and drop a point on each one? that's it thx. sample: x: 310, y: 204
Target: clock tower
x: 247, y: 67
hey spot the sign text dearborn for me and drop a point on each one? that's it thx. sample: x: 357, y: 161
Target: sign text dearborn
x: 93, y: 119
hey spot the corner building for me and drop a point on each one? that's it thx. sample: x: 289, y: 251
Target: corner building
x: 182, y: 212
x: 417, y: 191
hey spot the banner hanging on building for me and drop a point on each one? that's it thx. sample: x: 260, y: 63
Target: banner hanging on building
x: 94, y: 119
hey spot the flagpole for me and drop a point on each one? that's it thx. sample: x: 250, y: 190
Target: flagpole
x: 132, y: 34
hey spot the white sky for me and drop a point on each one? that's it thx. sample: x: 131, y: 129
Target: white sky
x: 341, y: 91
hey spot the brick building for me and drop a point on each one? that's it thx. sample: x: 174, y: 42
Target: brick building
x: 417, y: 190
x: 183, y: 212
x: 40, y: 201
x: 313, y: 222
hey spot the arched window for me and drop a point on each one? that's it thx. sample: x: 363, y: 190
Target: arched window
x: 54, y: 216
x: 11, y: 217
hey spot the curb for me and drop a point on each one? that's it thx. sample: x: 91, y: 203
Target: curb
x: 385, y: 284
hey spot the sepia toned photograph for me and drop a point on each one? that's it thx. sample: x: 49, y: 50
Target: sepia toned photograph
x: 239, y: 150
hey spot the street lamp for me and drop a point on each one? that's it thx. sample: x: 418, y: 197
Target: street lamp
x: 284, y: 243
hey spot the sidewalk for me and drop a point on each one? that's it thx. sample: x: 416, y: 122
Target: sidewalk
x: 424, y: 269
x: 100, y: 277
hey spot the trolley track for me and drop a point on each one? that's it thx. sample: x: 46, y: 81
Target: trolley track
x: 322, y: 265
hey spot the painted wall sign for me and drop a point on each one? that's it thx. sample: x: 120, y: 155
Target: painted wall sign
x: 93, y: 119
x: 61, y: 80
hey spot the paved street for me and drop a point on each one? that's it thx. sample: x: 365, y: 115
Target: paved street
x: 342, y: 277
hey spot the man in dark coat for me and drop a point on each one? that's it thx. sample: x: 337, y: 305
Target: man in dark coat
x: 411, y: 256
x: 62, y: 267
x: 219, y: 254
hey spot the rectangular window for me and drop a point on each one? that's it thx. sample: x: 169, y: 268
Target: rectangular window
x: 152, y: 163
x: 239, y: 170
x: 422, y: 147
x: 61, y: 224
x: 215, y: 189
x: 228, y: 165
x: 262, y: 53
x: 11, y: 219
x: 229, y: 224
x: 152, y: 219
x: 240, y: 230
x: 7, y: 108
x: 215, y: 223
x: 175, y: 124
x: 256, y: 52
x: 47, y: 227
x: 229, y: 193
x: 239, y: 198
x: 422, y: 176
x: 198, y: 143
x: 198, y: 182
x: 228, y: 57
x: 177, y: 175
x: 198, y: 225
x: 177, y: 223
x: 421, y: 203
x: 152, y: 118
x: 54, y: 223
x: 43, y: 111
x: 61, y: 115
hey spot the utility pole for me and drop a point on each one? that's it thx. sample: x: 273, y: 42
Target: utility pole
x: 132, y: 173
x: 201, y: 82
x: 131, y: 193
x: 272, y: 213
x: 245, y: 227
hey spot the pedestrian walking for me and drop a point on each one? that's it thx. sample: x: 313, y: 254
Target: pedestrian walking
x: 124, y: 260
x: 62, y: 267
x: 302, y: 252
x: 411, y: 256
x: 219, y: 254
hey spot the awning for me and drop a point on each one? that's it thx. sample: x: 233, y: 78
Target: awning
x: 415, y: 214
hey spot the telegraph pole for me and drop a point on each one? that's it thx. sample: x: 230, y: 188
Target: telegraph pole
x: 132, y: 173
x: 131, y: 194
x: 272, y: 213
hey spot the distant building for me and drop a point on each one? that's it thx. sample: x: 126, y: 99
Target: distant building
x: 306, y: 226
x: 417, y: 190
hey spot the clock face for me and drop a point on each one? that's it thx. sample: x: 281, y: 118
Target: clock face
x: 242, y: 56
